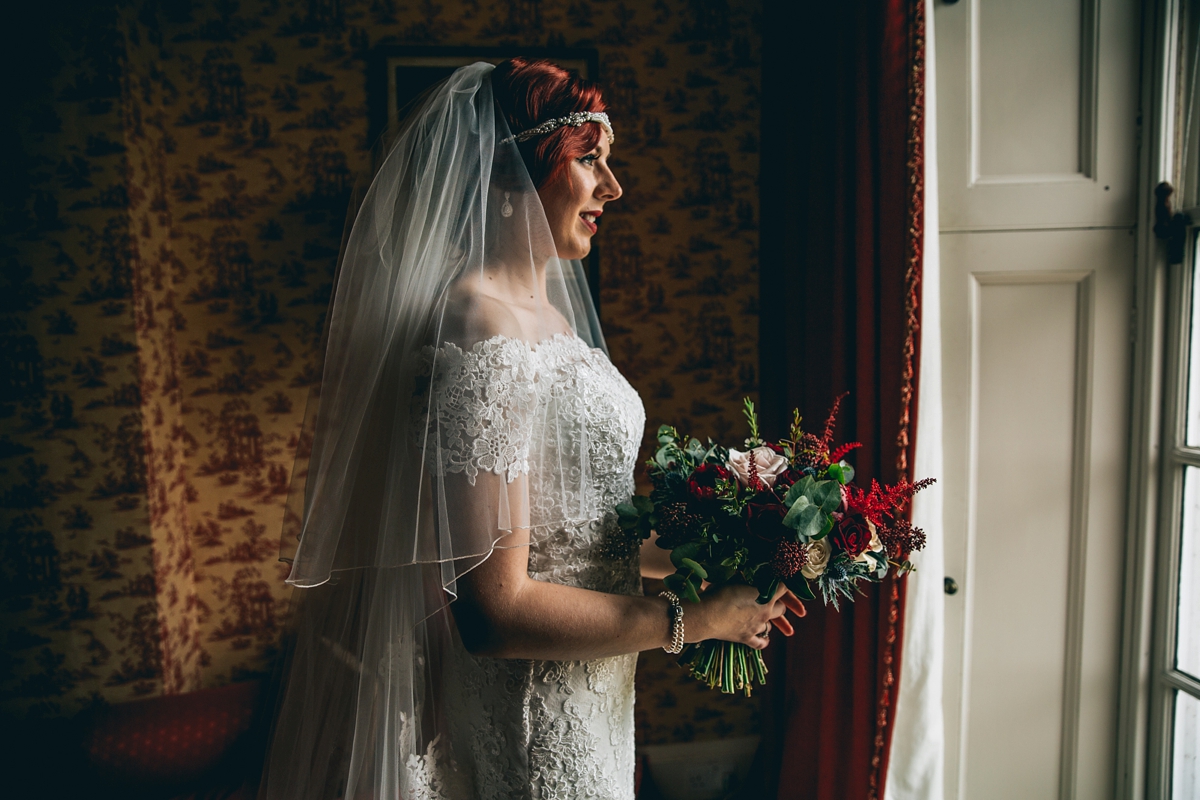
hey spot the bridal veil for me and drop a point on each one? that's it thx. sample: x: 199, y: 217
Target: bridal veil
x: 390, y: 514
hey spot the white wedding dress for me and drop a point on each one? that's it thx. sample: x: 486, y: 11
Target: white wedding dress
x: 544, y: 730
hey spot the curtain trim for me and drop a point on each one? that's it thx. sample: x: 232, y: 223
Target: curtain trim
x: 916, y: 215
x: 905, y: 442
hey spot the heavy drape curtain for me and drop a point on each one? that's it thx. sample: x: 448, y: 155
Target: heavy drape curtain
x: 842, y: 189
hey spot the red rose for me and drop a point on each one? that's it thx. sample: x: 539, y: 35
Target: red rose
x: 764, y: 516
x: 789, y: 476
x: 852, y: 534
x: 702, y: 485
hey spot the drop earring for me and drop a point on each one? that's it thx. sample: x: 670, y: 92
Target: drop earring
x: 506, y: 209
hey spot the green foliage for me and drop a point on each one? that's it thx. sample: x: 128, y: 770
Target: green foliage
x: 637, y: 515
x: 800, y: 588
x: 841, y: 472
x: 796, y: 431
x: 752, y: 421
x: 811, y: 504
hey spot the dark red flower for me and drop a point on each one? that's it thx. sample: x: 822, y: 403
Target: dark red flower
x: 789, y: 559
x: 764, y: 516
x: 676, y: 525
x: 852, y: 534
x: 787, y: 478
x: 702, y: 485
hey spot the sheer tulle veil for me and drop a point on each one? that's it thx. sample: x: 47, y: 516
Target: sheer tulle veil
x: 382, y: 521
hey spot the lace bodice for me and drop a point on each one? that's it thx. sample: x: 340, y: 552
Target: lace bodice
x: 561, y: 414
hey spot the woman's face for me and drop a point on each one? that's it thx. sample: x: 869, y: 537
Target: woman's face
x: 574, y: 201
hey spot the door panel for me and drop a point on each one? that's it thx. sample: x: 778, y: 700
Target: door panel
x: 1025, y: 415
x: 1036, y: 113
x: 1035, y: 338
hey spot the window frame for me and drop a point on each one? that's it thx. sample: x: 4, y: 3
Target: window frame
x: 1159, y: 453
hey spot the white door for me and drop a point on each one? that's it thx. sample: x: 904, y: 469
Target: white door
x: 1037, y: 119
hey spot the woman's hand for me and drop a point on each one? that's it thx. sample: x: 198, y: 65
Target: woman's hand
x: 733, y: 614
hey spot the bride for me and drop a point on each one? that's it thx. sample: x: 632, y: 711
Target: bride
x: 470, y: 612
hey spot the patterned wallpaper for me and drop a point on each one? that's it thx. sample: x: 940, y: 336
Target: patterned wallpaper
x: 184, y: 169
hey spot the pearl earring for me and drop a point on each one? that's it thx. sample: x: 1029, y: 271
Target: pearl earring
x: 506, y: 209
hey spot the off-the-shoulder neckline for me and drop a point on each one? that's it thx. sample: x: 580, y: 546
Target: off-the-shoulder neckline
x: 533, y: 347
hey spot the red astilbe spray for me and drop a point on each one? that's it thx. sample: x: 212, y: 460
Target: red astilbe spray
x: 830, y: 421
x: 882, y: 505
x: 843, y: 451
x: 756, y: 484
x: 814, y: 451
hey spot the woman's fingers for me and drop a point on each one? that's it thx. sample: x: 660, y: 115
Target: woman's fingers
x: 794, y: 604
x: 783, y: 625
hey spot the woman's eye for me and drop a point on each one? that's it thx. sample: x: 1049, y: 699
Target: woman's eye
x: 588, y: 160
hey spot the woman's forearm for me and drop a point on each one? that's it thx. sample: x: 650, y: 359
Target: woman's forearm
x: 548, y: 621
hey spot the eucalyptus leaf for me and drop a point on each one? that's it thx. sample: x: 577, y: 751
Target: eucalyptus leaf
x: 721, y: 573
x: 801, y: 488
x: 800, y: 588
x: 689, y: 592
x: 626, y: 510
x: 767, y: 592
x: 694, y: 567
x: 847, y: 470
x: 793, y: 513
x: 827, y: 495
x: 641, y: 504
x: 807, y: 520
x: 674, y: 582
x: 690, y: 550
x: 826, y: 529
x: 644, y: 526
x: 836, y: 472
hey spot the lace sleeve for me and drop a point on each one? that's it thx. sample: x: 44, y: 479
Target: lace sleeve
x: 483, y: 404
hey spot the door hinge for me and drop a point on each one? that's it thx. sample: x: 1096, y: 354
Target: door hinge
x: 1169, y: 225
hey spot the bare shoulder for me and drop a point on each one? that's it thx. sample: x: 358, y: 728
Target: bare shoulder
x: 472, y: 316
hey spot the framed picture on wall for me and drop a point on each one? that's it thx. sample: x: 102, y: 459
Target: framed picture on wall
x: 398, y: 75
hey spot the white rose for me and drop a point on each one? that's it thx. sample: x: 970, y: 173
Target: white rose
x: 769, y: 463
x: 818, y: 559
x: 875, y: 545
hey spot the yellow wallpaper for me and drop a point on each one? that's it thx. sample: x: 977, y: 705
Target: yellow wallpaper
x: 165, y: 315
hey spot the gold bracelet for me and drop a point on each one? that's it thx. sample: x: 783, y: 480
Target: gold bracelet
x: 676, y: 614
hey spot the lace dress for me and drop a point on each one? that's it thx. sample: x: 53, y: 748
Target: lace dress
x: 547, y: 730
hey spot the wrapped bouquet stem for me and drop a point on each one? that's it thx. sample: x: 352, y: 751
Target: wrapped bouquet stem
x: 779, y: 512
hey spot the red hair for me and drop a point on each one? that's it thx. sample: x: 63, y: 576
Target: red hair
x: 531, y: 92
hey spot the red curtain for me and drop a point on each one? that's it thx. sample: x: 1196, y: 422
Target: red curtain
x: 841, y: 184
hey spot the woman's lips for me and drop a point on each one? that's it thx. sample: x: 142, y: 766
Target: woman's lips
x: 590, y: 223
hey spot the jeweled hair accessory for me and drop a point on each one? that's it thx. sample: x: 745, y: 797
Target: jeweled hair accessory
x: 575, y: 120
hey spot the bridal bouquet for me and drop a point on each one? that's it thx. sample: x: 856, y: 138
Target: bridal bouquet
x: 780, y: 512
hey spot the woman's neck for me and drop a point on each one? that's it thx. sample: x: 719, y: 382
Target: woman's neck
x: 522, y: 285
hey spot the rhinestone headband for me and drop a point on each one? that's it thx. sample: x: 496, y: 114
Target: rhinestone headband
x: 575, y: 120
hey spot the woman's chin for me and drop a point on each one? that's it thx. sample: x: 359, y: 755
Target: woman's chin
x: 576, y: 252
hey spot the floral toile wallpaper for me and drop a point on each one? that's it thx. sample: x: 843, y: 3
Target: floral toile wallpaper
x: 178, y: 184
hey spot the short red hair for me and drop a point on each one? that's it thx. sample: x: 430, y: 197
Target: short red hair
x: 531, y: 92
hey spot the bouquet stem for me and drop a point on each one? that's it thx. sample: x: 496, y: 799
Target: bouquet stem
x: 727, y: 666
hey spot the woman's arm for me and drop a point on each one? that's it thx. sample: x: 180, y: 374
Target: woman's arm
x: 504, y: 613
